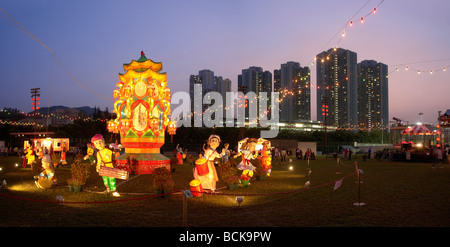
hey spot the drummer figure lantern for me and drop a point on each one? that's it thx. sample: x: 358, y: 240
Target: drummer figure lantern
x: 142, y: 105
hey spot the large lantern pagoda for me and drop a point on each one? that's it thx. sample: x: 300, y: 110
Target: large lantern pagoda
x: 143, y: 107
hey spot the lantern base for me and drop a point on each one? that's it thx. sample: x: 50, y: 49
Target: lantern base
x: 142, y: 163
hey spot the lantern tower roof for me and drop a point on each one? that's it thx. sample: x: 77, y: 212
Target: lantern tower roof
x: 142, y: 63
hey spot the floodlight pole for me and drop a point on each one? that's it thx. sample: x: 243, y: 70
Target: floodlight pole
x: 35, y: 94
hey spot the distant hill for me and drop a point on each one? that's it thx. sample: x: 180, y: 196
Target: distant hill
x: 86, y: 109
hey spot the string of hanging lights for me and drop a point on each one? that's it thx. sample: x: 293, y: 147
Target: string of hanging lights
x: 408, y: 67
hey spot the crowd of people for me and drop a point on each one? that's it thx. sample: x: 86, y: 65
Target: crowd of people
x: 282, y: 154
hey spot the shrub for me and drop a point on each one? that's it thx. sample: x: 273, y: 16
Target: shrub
x: 259, y: 167
x: 173, y: 164
x: 228, y: 173
x: 190, y: 159
x: 80, y: 170
x: 162, y: 180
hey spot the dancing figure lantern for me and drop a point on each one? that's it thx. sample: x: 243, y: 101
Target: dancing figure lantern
x: 143, y: 108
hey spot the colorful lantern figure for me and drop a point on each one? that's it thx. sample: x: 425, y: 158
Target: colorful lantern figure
x: 205, y: 171
x: 30, y: 156
x: 143, y: 109
x: 104, y: 158
x: 180, y: 154
x: 63, y: 154
x: 266, y: 159
x: 90, y: 154
x: 248, y: 153
x: 46, y: 178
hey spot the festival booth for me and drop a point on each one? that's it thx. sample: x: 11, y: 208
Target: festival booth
x: 416, y: 144
x: 419, y: 135
x: 48, y: 145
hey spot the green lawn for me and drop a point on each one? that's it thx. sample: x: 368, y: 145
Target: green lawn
x: 397, y: 194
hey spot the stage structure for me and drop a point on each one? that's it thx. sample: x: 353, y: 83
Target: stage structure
x: 143, y: 108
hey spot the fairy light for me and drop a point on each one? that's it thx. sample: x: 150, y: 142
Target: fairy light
x: 350, y: 24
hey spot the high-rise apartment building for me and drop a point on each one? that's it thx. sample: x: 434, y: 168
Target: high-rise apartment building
x: 337, y: 88
x: 293, y: 84
x: 255, y: 80
x: 373, y: 98
x: 209, y: 83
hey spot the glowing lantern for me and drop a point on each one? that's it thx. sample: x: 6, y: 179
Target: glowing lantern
x: 202, y: 166
x: 171, y: 129
x: 196, y: 187
x: 143, y: 109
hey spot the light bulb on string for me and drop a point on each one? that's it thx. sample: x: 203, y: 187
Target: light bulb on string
x: 362, y: 20
x: 374, y: 11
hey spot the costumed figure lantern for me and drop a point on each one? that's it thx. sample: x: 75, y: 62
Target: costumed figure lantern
x: 143, y: 108
x: 63, y: 153
x: 266, y: 159
x: 248, y: 153
x: 30, y: 156
x: 205, y: 171
x: 46, y: 178
x: 90, y: 154
x: 104, y: 158
x: 180, y: 154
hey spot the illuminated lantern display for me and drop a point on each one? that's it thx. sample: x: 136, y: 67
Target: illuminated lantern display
x: 196, y: 187
x: 171, y: 129
x: 142, y: 105
x: 46, y: 178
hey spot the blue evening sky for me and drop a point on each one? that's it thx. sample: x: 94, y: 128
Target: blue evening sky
x: 93, y: 38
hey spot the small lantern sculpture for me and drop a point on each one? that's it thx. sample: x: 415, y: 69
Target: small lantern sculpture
x: 172, y: 129
x: 143, y: 108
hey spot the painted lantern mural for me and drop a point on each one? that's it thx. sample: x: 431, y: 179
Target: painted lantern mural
x: 143, y: 108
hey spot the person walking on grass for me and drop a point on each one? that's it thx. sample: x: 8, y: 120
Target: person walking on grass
x: 437, y: 157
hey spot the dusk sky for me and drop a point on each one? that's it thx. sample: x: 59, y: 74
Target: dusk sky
x: 93, y: 39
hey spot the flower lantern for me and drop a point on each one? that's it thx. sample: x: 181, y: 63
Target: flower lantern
x: 143, y: 109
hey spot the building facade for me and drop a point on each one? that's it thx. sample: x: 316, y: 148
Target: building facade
x: 209, y: 83
x: 373, y: 98
x: 256, y: 80
x: 292, y: 82
x: 337, y: 88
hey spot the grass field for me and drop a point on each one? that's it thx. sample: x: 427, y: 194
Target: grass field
x: 396, y: 194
